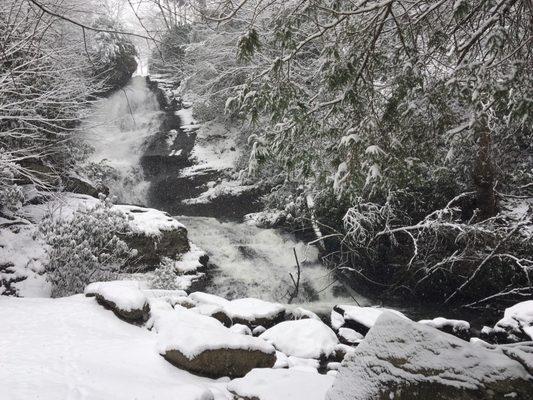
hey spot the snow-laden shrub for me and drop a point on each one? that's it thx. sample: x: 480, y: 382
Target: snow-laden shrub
x: 84, y: 248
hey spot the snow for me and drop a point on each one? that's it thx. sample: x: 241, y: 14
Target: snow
x: 281, y: 384
x: 426, y: 355
x: 350, y: 335
x: 457, y: 325
x: 72, y: 348
x: 307, y: 364
x: 23, y: 256
x: 247, y: 309
x: 242, y: 329
x: 366, y: 316
x: 518, y: 317
x: 126, y: 295
x: 305, y: 338
x: 250, y: 309
x: 149, y: 221
x: 224, y: 188
x: 191, y: 334
x: 337, y: 320
x: 189, y: 262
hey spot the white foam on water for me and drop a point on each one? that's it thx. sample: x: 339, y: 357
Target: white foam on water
x: 255, y: 262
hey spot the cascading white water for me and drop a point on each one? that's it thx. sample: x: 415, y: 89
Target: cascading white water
x: 118, y: 129
x: 252, y: 262
x: 255, y: 262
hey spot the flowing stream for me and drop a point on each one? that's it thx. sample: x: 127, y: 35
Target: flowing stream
x: 250, y: 262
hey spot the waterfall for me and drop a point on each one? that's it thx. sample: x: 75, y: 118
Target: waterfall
x: 118, y: 129
x: 256, y: 262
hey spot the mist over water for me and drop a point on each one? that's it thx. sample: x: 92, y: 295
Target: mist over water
x: 118, y: 129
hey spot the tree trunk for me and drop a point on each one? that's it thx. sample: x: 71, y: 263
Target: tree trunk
x: 484, y: 174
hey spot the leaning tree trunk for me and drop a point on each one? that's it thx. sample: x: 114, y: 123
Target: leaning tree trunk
x: 484, y: 174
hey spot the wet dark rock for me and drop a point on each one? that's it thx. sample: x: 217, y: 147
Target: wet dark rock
x: 222, y: 362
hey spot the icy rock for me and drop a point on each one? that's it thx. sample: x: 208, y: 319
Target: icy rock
x: 124, y: 298
x: 306, y: 338
x: 202, y: 345
x: 281, y: 384
x: 454, y: 327
x: 403, y: 360
x: 360, y: 319
x: 300, y: 313
x: 154, y: 234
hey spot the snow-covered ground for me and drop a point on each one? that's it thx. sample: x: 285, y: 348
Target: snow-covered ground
x: 72, y: 348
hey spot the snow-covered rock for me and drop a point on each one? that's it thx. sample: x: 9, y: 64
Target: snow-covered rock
x: 305, y: 338
x: 154, y: 234
x: 281, y: 384
x: 517, y: 321
x: 248, y: 311
x: 360, y: 319
x: 214, y: 311
x: 401, y: 359
x: 203, y: 345
x: 242, y: 329
x: 124, y: 298
x: 349, y: 336
x: 455, y: 327
x: 72, y: 348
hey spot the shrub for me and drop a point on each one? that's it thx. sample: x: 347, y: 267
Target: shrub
x: 85, y: 247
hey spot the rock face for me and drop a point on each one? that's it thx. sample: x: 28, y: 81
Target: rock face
x: 403, y: 360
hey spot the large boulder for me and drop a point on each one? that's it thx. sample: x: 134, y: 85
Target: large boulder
x: 515, y: 326
x: 154, y: 234
x: 403, y: 360
x: 202, y: 345
x: 305, y: 338
x: 124, y: 298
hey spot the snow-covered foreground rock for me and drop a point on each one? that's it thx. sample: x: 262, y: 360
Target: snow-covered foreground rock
x: 402, y: 360
x: 72, y: 348
x: 203, y: 345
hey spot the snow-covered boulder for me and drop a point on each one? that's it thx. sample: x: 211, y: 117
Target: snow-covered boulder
x: 360, y: 319
x: 403, y: 360
x: 249, y: 311
x: 515, y: 326
x: 255, y: 312
x: 214, y: 311
x: 455, y: 327
x: 281, y: 384
x: 124, y: 298
x: 202, y: 345
x: 349, y: 336
x: 305, y: 338
x: 154, y: 234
